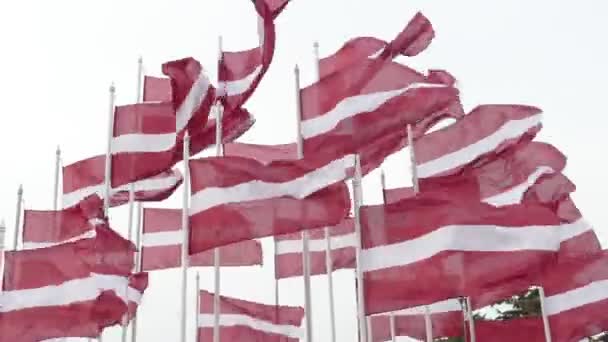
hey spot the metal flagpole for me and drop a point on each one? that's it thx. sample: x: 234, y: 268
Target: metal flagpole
x: 305, y: 235
x: 471, y: 320
x: 219, y: 151
x: 391, y: 316
x: 328, y: 256
x: 357, y: 194
x: 108, y: 163
x: 198, y: 303
x: 547, y: 328
x: 185, y: 241
x: 428, y: 324
x: 2, y: 245
x: 125, y: 328
x: 138, y: 209
x: 56, y: 187
x: 18, y: 217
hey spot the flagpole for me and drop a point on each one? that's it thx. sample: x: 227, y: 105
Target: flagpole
x: 185, y: 240
x: 56, y: 187
x: 138, y: 99
x: 391, y: 316
x: 18, y: 217
x: 360, y: 291
x: 543, y: 310
x: 198, y: 303
x: 428, y: 324
x: 216, y: 251
x: 2, y: 245
x: 108, y: 163
x: 328, y: 256
x: 305, y: 235
x: 471, y: 320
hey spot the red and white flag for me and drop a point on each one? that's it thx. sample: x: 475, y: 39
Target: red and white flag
x: 144, y: 141
x: 288, y: 250
x: 44, y: 228
x: 426, y: 249
x: 236, y: 199
x: 244, y: 321
x: 69, y: 290
x: 502, y: 179
x: 446, y: 321
x: 415, y: 38
x: 192, y: 94
x: 485, y: 131
x: 240, y: 72
x: 529, y: 329
x: 353, y: 108
x: 162, y: 244
x: 86, y: 177
x: 577, y: 298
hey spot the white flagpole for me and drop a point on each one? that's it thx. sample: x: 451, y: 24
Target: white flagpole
x: 138, y: 99
x: 219, y: 151
x: 108, y: 164
x: 471, y: 320
x: 357, y: 194
x: 185, y: 240
x: 305, y: 235
x: 18, y: 217
x: 328, y: 256
x: 428, y: 324
x: 547, y: 328
x: 2, y: 245
x: 391, y: 316
x: 56, y: 187
x: 198, y: 303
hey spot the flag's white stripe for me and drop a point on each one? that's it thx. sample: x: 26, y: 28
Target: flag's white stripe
x: 300, y: 187
x: 515, y: 194
x: 237, y: 87
x: 231, y: 320
x: 588, y: 294
x: 448, y: 305
x: 140, y: 143
x: 35, y: 245
x: 73, y: 291
x: 160, y: 239
x: 511, y: 129
x: 353, y: 106
x: 480, y: 238
x: 196, y: 96
x: 148, y: 184
x: 316, y: 245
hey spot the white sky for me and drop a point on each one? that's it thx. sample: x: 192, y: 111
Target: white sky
x: 59, y: 57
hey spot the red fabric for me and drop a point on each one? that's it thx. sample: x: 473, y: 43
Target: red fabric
x: 444, y: 324
x: 50, y: 226
x: 414, y: 38
x: 478, y: 124
x: 90, y: 173
x: 290, y: 264
x: 529, y: 329
x: 139, y: 283
x: 157, y: 89
x: 151, y: 119
x: 446, y: 274
x: 40, y: 269
x: 245, y: 253
x: 580, y: 319
x: 278, y: 315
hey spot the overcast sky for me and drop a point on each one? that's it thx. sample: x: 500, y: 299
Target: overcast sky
x: 59, y: 57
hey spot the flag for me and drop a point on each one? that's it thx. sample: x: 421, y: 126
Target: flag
x: 529, y: 329
x: 144, y: 141
x: 86, y: 177
x: 288, y: 250
x: 428, y: 249
x: 44, y: 228
x: 244, y: 321
x: 157, y: 89
x: 162, y: 244
x: 235, y: 199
